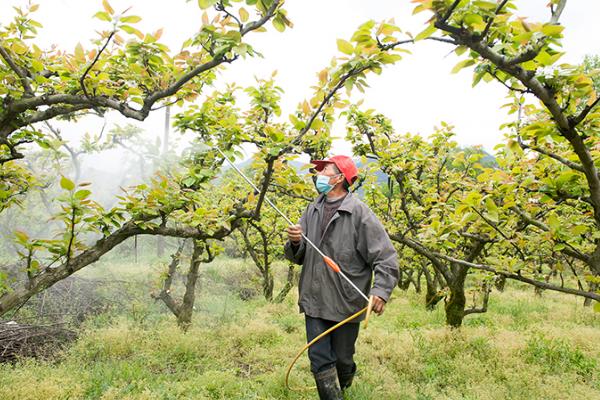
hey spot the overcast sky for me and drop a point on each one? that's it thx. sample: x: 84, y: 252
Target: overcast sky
x: 416, y: 94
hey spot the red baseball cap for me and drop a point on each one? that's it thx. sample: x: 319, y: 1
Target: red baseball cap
x: 343, y: 163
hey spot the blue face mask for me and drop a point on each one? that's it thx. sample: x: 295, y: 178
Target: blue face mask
x: 322, y: 184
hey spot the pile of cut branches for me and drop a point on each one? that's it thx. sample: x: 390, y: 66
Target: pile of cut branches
x: 27, y: 340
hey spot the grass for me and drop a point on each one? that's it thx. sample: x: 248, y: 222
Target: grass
x: 524, y: 347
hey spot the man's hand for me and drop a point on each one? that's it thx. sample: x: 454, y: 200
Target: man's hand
x: 378, y: 305
x: 294, y: 234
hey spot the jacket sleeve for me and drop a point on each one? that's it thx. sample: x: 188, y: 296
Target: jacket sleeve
x: 295, y: 253
x: 375, y: 246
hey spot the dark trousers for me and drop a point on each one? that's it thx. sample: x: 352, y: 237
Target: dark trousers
x: 335, y: 349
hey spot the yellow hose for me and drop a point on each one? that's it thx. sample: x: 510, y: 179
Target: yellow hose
x: 287, y: 374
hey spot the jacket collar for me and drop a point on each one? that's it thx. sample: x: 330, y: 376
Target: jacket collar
x: 347, y: 205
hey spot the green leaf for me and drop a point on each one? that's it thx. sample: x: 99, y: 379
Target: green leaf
x: 597, y: 306
x: 426, y: 33
x: 36, y: 65
x: 578, y: 230
x: 103, y: 16
x: 21, y: 237
x: 552, y: 30
x: 279, y: 24
x: 188, y: 181
x: 473, y: 19
x: 492, y: 210
x: 316, y: 124
x: 387, y: 58
x: 132, y: 31
x: 82, y: 194
x: 19, y: 47
x: 460, y: 50
x: 107, y: 7
x: 486, y: 5
x: 204, y: 4
x: 345, y: 47
x: 244, y: 15
x: 79, y: 54
x: 131, y: 19
x: 462, y: 64
x: 66, y: 184
x: 473, y: 199
x: 298, y: 124
x: 546, y: 59
x: 553, y: 222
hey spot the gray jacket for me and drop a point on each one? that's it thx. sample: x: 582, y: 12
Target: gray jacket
x: 358, y: 243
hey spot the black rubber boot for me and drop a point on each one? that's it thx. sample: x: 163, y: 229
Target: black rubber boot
x: 346, y: 378
x: 327, y: 385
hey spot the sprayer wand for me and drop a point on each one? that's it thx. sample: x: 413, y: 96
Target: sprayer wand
x: 330, y: 263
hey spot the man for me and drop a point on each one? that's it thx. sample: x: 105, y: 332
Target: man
x: 346, y: 230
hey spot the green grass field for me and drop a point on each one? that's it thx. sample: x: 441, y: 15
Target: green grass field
x: 524, y: 347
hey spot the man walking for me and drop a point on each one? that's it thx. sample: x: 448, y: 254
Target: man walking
x: 346, y: 230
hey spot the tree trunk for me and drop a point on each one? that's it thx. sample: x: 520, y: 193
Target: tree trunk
x: 184, y: 318
x: 267, y: 283
x: 432, y: 294
x: 404, y: 279
x: 592, y: 288
x: 455, y: 306
x: 289, y: 284
x: 417, y: 281
x: 500, y: 283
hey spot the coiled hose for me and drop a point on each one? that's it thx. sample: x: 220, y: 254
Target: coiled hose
x: 367, y: 309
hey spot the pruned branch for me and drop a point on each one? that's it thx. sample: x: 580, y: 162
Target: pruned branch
x: 450, y: 10
x: 484, y: 306
x: 14, y: 154
x: 71, y: 236
x: 497, y: 229
x: 52, y: 112
x: 89, y: 68
x: 425, y: 252
x: 569, y: 251
x: 579, y: 118
x: 326, y: 99
x: 289, y: 193
x: 268, y: 172
x: 491, y: 20
x: 510, y: 275
x: 562, y: 160
x: 257, y: 24
x: 390, y: 46
x: 529, y: 54
x: 506, y: 85
x: 557, y: 11
x: 250, y: 248
x: 479, y: 238
x: 221, y: 7
x: 165, y: 293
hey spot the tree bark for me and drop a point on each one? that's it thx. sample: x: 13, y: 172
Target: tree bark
x: 432, y: 294
x: 289, y: 284
x: 455, y: 305
x: 592, y: 288
x: 184, y: 318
